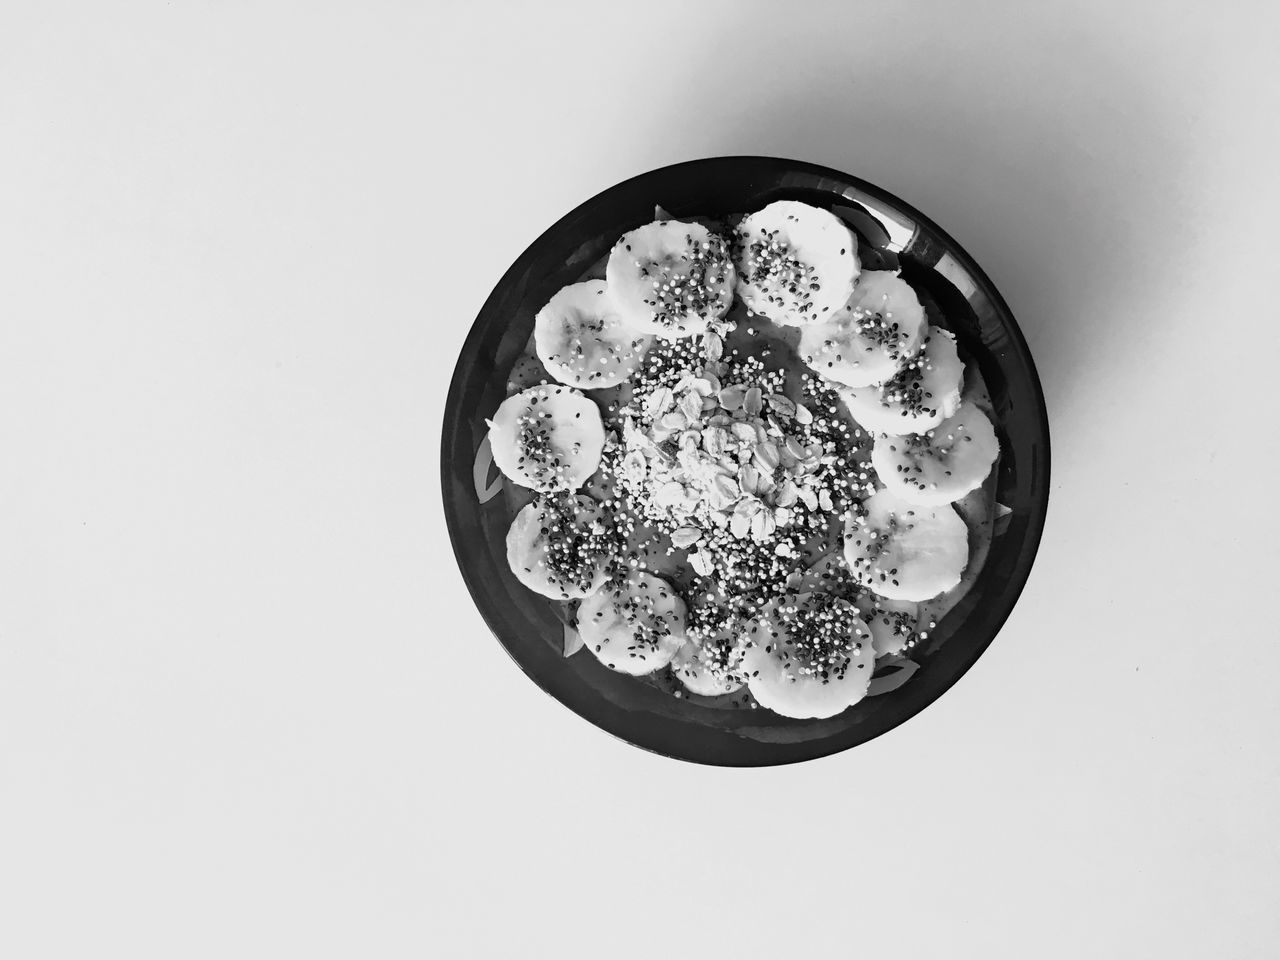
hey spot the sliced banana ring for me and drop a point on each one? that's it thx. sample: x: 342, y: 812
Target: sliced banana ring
x: 940, y: 465
x: 582, y: 340
x: 923, y: 393
x: 796, y: 263
x: 559, y: 546
x: 892, y: 623
x: 635, y: 625
x: 867, y: 339
x: 547, y: 438
x: 670, y: 278
x: 695, y: 666
x: 811, y: 657
x: 904, y: 551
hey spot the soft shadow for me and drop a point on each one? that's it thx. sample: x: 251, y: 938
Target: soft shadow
x: 1052, y: 189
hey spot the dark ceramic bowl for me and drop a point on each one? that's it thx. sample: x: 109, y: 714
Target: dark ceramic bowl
x: 527, y: 625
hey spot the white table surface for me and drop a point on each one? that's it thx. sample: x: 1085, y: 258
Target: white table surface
x: 246, y: 708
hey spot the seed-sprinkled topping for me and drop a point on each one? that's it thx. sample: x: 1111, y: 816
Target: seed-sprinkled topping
x: 709, y: 537
x: 689, y: 288
x: 769, y: 264
x: 906, y: 388
x: 576, y: 542
x: 823, y: 635
x: 720, y: 631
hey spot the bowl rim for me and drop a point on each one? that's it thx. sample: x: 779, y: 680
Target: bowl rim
x: 1040, y: 493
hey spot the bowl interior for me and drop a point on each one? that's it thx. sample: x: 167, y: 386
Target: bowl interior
x: 528, y: 626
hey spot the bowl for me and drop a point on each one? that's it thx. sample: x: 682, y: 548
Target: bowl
x: 529, y: 626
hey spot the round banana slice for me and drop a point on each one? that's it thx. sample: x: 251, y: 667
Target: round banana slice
x: 582, y: 341
x: 866, y: 340
x: 809, y: 658
x: 559, y: 546
x: 892, y: 622
x: 923, y: 393
x: 698, y: 667
x: 547, y: 438
x: 635, y: 625
x: 940, y: 465
x: 904, y: 551
x: 670, y: 278
x: 796, y: 264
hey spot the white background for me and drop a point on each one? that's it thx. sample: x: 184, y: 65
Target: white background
x: 246, y: 708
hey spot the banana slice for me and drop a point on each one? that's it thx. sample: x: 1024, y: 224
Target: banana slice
x: 670, y: 278
x: 559, y: 546
x: 547, y: 438
x: 810, y: 658
x: 923, y: 393
x: 634, y: 625
x: 904, y: 551
x: 796, y: 264
x: 892, y: 622
x: 698, y: 667
x: 582, y: 341
x: 866, y: 340
x: 941, y: 465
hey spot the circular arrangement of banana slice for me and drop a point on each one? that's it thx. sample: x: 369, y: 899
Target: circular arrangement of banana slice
x: 582, y: 340
x: 942, y: 464
x: 809, y: 658
x: 867, y: 339
x: 812, y: 653
x: 547, y: 438
x: 559, y: 546
x: 923, y: 393
x: 904, y: 551
x: 796, y: 264
x: 670, y: 278
x: 634, y: 625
